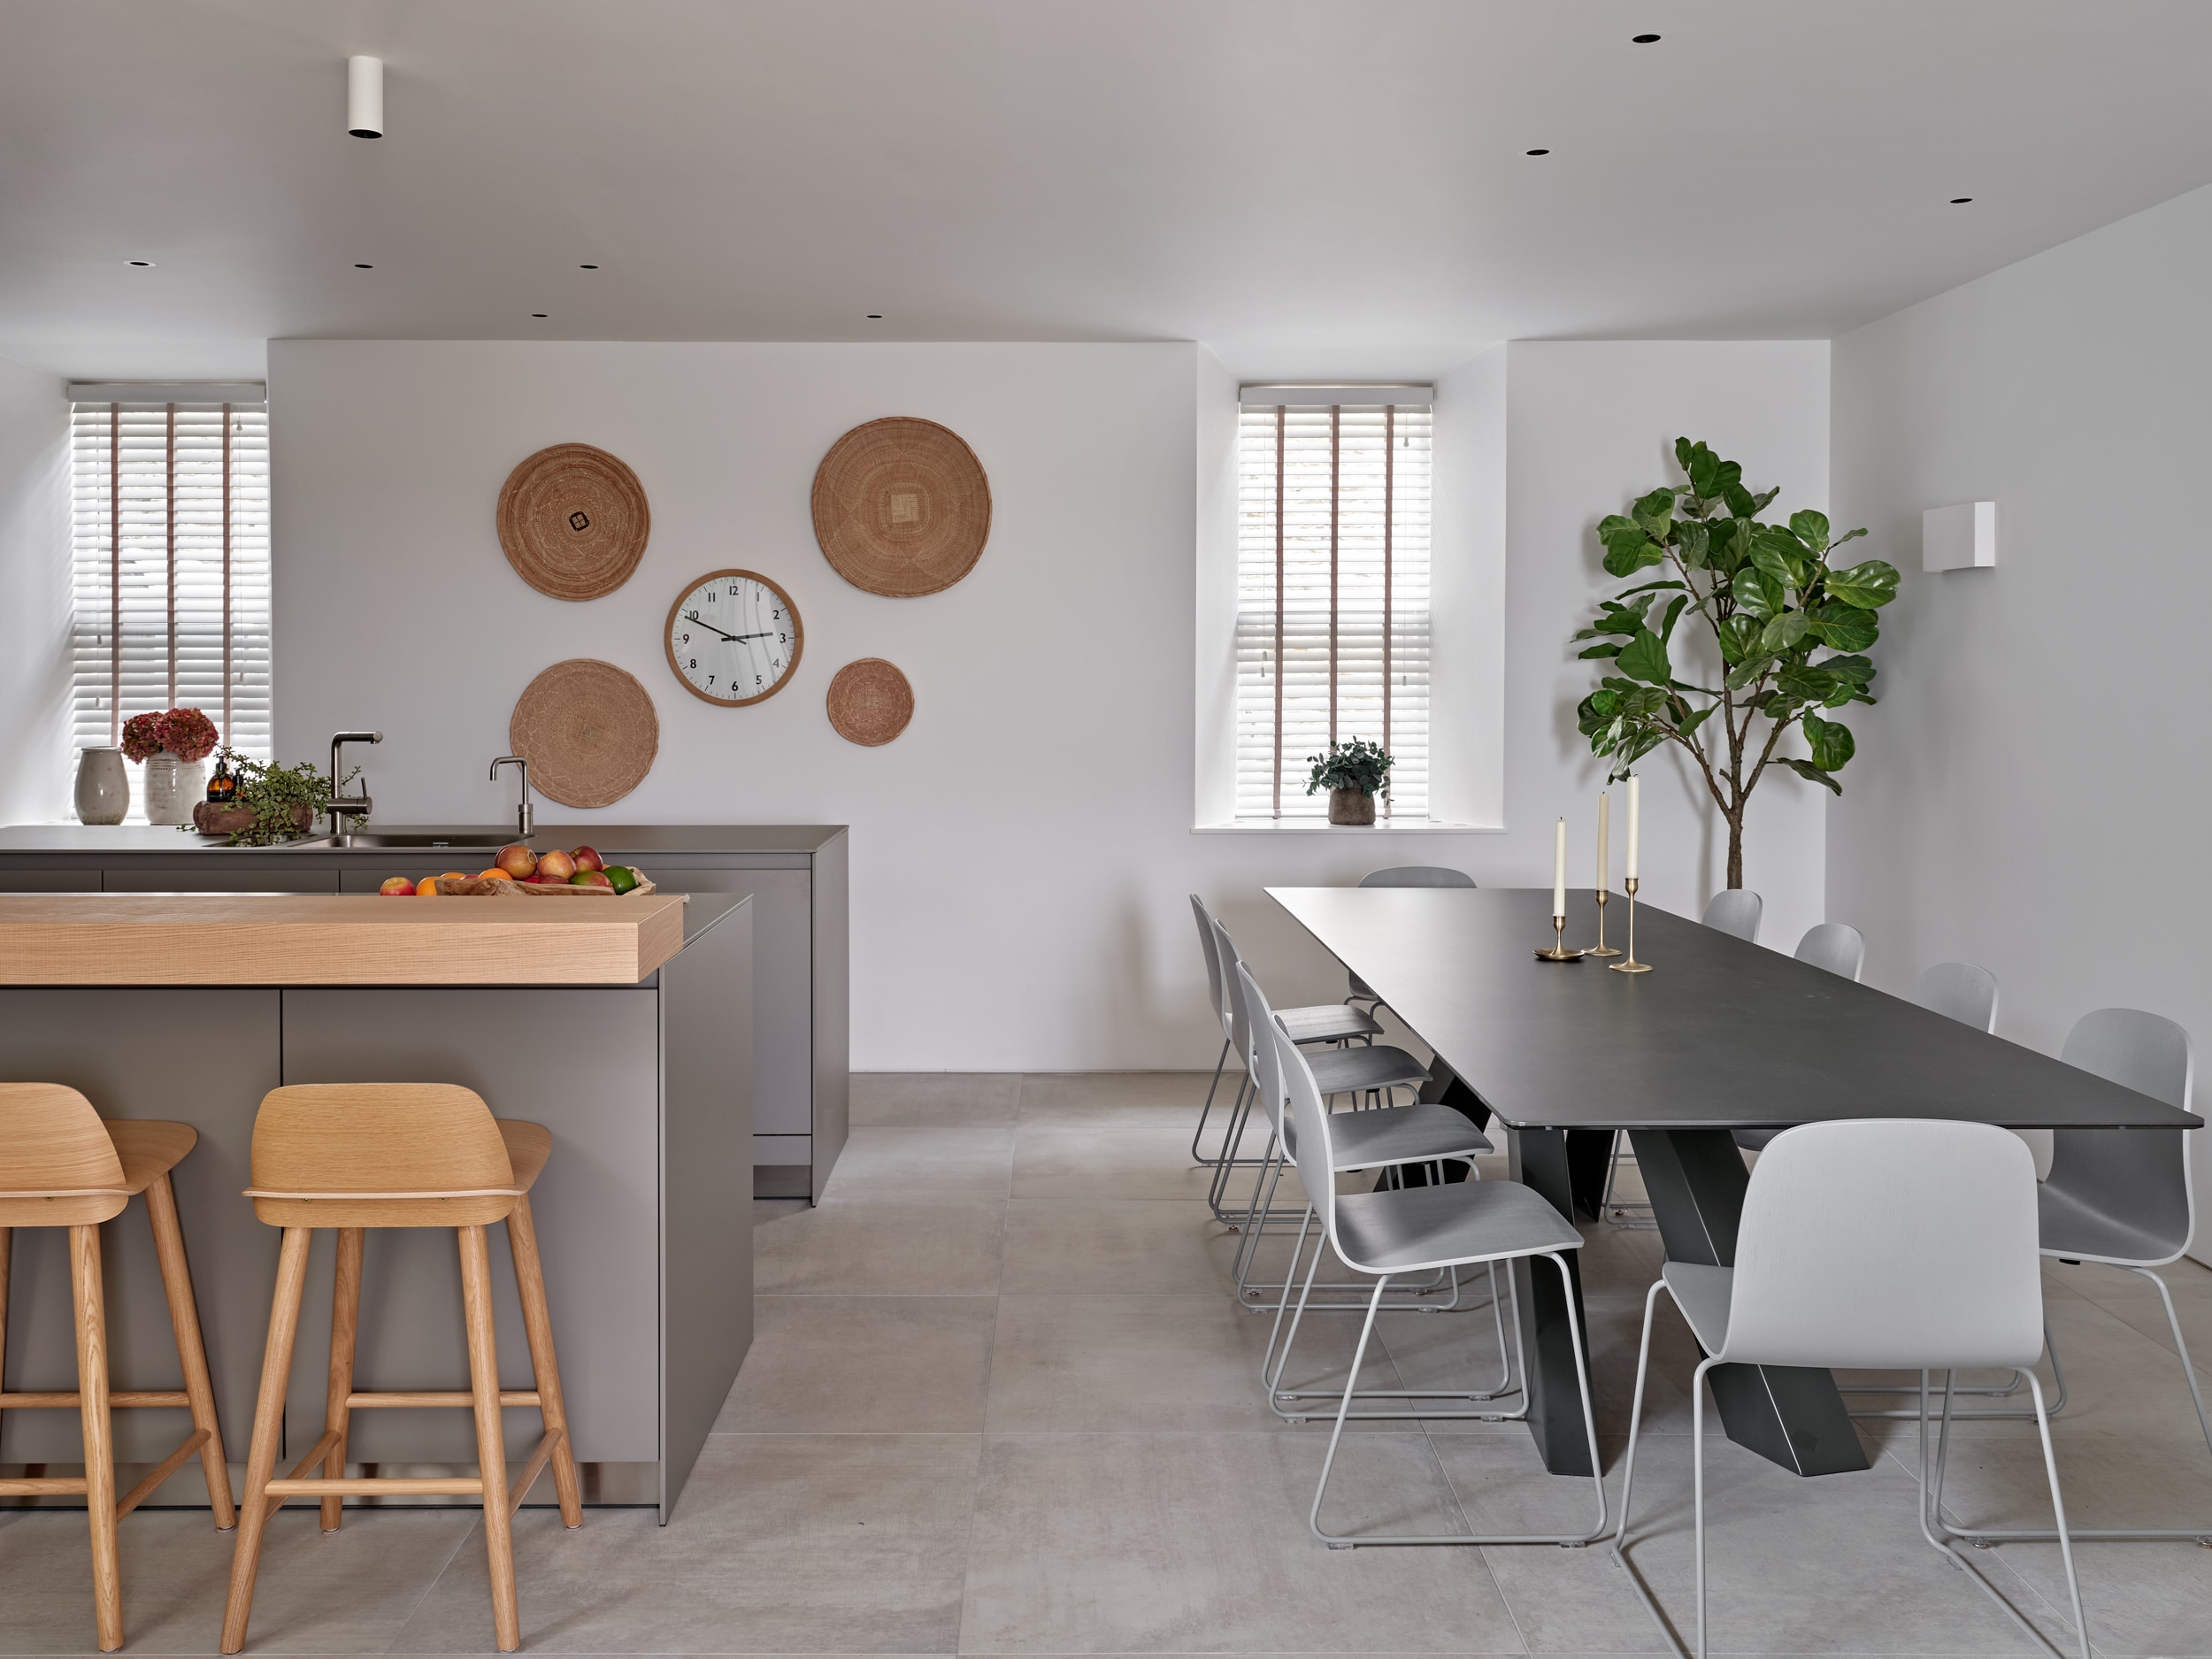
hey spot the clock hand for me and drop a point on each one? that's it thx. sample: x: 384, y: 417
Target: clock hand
x: 693, y: 616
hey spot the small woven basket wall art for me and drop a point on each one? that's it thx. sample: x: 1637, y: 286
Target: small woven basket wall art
x: 902, y: 507
x: 589, y: 731
x: 573, y: 521
x: 869, y: 702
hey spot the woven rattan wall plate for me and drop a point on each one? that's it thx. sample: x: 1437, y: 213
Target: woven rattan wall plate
x: 589, y: 731
x: 902, y: 507
x: 573, y: 521
x: 869, y: 702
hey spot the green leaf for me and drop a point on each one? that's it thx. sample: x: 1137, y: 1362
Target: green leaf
x: 1747, y: 672
x: 1645, y: 587
x: 1843, y: 627
x: 1739, y: 638
x: 1644, y: 658
x: 1830, y: 741
x: 1598, y: 650
x: 1869, y: 586
x: 1783, y: 633
x: 1682, y: 453
x: 1692, y: 541
x: 1806, y: 769
x: 1689, y: 725
x: 1848, y: 535
x: 1759, y: 503
x: 1811, y: 529
x: 1740, y: 502
x: 1753, y: 595
x: 1730, y: 546
x: 1666, y: 628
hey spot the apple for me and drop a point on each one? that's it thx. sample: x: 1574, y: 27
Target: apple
x: 517, y: 860
x: 556, y: 863
x: 397, y: 886
x: 590, y: 878
x: 588, y: 859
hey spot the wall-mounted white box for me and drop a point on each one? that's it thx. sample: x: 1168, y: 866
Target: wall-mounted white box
x: 1960, y: 538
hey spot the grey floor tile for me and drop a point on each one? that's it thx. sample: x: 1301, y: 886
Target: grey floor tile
x: 1048, y: 1092
x: 768, y: 1210
x: 1102, y: 1246
x: 842, y: 1544
x: 864, y: 1365
x: 959, y: 1164
x: 1087, y: 1150
x: 1166, y: 1364
x: 1171, y: 1543
x: 881, y: 1249
x: 932, y: 1100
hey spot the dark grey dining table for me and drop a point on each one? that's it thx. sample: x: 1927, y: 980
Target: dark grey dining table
x: 1721, y: 1035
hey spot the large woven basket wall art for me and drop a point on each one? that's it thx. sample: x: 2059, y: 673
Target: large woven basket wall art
x: 589, y: 731
x: 902, y: 507
x: 869, y: 702
x: 573, y: 521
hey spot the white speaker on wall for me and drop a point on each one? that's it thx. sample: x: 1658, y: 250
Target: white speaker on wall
x: 1960, y: 538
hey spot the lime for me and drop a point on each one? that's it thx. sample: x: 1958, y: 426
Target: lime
x: 621, y: 877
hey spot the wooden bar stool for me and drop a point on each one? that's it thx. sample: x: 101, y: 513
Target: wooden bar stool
x: 354, y: 1156
x: 62, y: 1166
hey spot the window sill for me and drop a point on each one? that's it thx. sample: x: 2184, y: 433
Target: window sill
x: 1318, y: 826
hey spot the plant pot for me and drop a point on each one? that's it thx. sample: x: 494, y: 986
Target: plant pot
x: 174, y: 788
x: 1351, y: 806
x: 211, y: 819
x: 104, y: 788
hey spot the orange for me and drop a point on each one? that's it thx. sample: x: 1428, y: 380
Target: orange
x: 428, y: 887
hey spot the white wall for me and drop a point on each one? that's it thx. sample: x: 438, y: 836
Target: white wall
x: 1021, y: 854
x: 1590, y: 425
x: 35, y: 595
x: 2030, y: 794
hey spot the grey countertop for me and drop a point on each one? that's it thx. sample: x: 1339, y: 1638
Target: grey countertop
x: 126, y: 840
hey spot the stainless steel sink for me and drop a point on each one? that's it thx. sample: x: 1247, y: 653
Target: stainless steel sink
x: 486, y: 840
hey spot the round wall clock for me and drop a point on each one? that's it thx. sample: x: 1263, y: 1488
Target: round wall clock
x: 733, y: 638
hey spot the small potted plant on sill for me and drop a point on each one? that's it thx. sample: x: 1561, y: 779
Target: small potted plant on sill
x: 1354, y: 773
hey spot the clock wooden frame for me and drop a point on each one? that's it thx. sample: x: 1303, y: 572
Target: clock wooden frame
x: 675, y: 610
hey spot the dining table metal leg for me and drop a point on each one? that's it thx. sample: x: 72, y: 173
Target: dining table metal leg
x: 1549, y: 1332
x: 1791, y: 1415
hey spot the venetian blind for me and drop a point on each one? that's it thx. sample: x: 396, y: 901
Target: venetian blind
x: 1333, y: 595
x: 170, y: 545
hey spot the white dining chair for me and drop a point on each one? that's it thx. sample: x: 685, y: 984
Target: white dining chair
x: 1420, y: 1229
x: 2123, y: 1198
x: 1735, y: 911
x: 1403, y: 876
x: 1835, y: 947
x: 1959, y: 991
x: 1895, y: 1244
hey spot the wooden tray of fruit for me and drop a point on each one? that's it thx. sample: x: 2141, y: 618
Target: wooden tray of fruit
x: 520, y: 872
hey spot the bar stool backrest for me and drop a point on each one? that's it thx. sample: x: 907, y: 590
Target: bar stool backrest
x: 1267, y: 1069
x: 1416, y: 875
x: 1834, y: 946
x: 1216, y: 987
x: 1735, y: 911
x: 2137, y: 1180
x: 378, y: 1154
x: 58, y: 1167
x: 1959, y: 991
x: 1309, y: 1118
x: 1888, y: 1242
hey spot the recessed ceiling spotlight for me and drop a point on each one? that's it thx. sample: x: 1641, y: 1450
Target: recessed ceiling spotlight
x: 539, y: 315
x: 140, y: 264
x: 359, y: 266
x: 588, y: 267
x: 1645, y: 40
x: 1539, y: 152
x: 875, y: 317
x: 364, y: 97
x: 1961, y: 201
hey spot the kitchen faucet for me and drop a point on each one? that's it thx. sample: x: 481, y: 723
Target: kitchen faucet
x: 526, y: 815
x: 356, y: 806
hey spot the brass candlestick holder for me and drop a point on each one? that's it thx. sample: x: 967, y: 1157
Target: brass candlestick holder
x: 1630, y: 965
x: 1602, y: 949
x: 1559, y: 951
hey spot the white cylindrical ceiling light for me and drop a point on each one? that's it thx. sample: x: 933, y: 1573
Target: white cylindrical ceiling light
x: 364, y: 96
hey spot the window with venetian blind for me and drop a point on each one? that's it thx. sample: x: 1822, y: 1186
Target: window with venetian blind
x: 170, y: 516
x: 1333, y: 591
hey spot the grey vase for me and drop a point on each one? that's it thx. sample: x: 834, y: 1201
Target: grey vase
x: 104, y: 788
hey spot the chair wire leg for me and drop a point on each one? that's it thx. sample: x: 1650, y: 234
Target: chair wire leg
x: 1628, y: 1480
x: 1904, y: 1414
x: 1220, y: 1065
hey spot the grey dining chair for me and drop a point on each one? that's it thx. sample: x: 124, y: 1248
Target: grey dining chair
x: 1326, y: 1022
x: 1372, y: 1070
x: 1835, y: 946
x: 2123, y: 1198
x: 1877, y: 1243
x: 1420, y: 1230
x: 1386, y: 1138
x: 1735, y: 911
x: 1403, y: 876
x: 1959, y: 991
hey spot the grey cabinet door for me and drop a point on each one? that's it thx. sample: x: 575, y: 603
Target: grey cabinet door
x: 49, y: 880
x: 197, y: 876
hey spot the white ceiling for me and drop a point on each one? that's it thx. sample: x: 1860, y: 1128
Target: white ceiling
x: 1311, y: 187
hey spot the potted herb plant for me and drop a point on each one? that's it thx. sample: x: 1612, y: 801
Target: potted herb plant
x: 273, y: 803
x: 1354, y: 773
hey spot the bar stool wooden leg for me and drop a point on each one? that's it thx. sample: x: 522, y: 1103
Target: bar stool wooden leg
x: 268, y: 1427
x: 491, y: 1441
x: 345, y: 1325
x: 184, y: 1319
x: 99, y: 1445
x: 537, y: 1321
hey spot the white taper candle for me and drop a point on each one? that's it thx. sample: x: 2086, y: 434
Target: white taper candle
x: 1559, y: 868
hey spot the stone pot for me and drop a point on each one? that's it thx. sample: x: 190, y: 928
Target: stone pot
x: 104, y: 788
x: 1351, y: 806
x: 174, y: 788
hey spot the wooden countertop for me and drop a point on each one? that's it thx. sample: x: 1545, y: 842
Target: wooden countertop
x: 352, y: 939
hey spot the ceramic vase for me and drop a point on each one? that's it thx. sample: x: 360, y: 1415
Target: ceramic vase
x: 173, y: 786
x: 104, y: 788
x: 1351, y: 806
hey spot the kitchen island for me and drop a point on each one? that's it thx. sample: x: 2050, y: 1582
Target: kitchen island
x: 622, y: 1025
x: 795, y: 873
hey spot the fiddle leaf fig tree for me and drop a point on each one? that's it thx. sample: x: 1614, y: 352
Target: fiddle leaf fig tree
x: 1791, y: 627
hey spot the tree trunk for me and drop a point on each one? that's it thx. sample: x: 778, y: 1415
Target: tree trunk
x: 1735, y: 849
